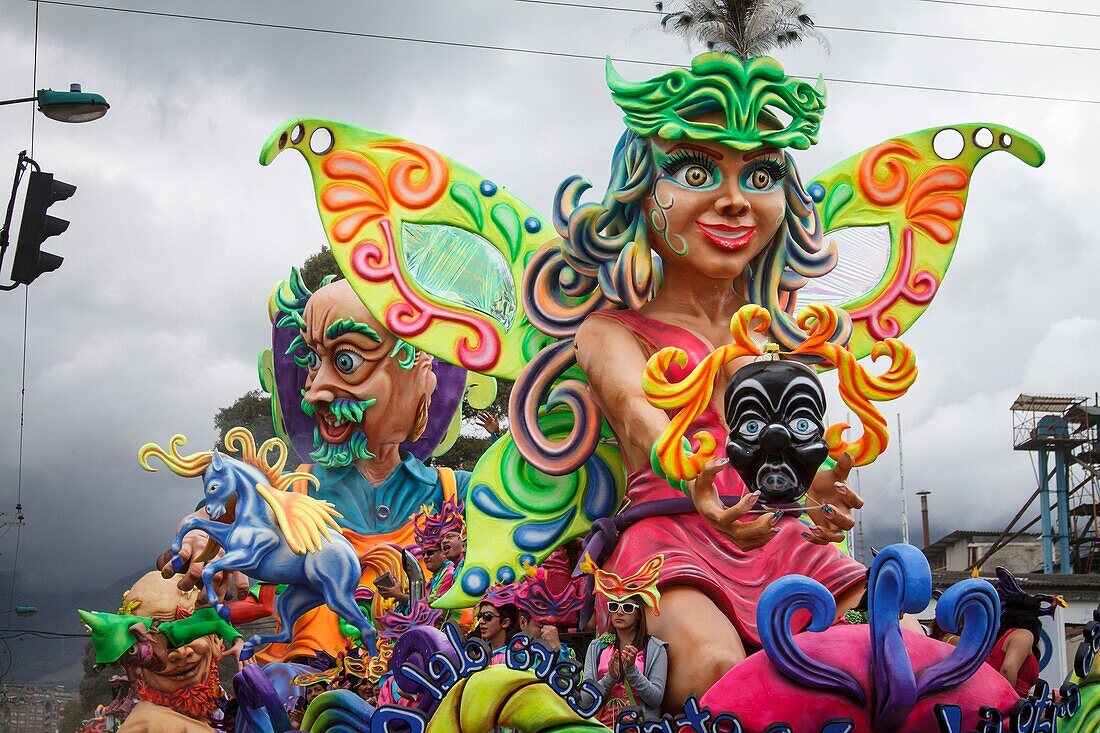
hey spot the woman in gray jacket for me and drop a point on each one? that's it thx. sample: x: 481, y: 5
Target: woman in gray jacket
x: 627, y: 664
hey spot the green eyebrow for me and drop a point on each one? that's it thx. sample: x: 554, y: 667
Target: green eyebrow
x: 336, y: 329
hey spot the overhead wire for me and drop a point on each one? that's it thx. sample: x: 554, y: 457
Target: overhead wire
x: 1045, y: 11
x: 541, y: 52
x: 846, y: 29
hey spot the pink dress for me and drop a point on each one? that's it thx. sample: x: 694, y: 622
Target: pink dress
x: 616, y: 698
x: 697, y: 554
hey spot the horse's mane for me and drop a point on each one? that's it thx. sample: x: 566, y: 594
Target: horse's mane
x: 237, y: 439
x: 302, y: 519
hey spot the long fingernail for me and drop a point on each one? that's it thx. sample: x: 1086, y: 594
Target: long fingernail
x: 777, y: 516
x: 815, y: 530
x: 828, y: 510
x: 755, y: 494
x: 841, y: 488
x: 805, y: 535
x: 722, y: 461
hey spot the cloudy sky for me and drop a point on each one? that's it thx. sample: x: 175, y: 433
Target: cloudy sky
x: 156, y: 317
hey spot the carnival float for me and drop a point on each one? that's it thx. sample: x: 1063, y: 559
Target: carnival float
x: 669, y: 478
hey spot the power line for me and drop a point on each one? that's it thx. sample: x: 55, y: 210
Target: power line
x: 539, y: 52
x: 845, y: 29
x: 1012, y: 7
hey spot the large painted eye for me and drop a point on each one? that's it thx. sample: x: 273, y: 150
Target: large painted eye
x: 695, y: 176
x: 750, y: 430
x: 761, y: 179
x: 801, y: 426
x: 312, y: 360
x: 348, y: 361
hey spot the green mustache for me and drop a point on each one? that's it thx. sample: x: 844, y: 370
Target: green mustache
x: 343, y: 409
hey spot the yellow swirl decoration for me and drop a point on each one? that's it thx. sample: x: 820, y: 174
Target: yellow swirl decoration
x: 692, y: 395
x: 858, y: 387
x: 237, y: 439
x: 500, y: 697
x: 187, y: 466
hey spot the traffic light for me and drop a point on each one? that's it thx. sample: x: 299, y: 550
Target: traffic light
x: 42, y: 193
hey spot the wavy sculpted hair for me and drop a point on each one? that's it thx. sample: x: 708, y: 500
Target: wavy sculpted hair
x: 606, y: 261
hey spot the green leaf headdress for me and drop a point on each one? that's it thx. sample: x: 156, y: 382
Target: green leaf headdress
x: 733, y: 79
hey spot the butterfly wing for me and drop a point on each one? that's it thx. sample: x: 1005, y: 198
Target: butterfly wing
x: 517, y: 515
x: 435, y: 250
x: 894, y: 212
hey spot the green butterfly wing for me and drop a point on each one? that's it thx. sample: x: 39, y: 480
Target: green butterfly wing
x: 435, y: 250
x: 894, y: 212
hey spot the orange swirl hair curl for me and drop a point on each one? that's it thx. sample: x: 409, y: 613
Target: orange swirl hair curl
x: 673, y: 455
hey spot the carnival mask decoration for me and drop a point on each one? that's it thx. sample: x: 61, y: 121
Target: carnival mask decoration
x: 538, y: 597
x: 641, y: 583
x: 775, y: 412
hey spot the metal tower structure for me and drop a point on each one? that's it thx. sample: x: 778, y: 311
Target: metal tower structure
x: 1065, y: 429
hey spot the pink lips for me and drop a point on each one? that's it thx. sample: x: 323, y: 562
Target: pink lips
x: 726, y: 237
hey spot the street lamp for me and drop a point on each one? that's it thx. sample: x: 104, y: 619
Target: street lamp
x: 71, y: 106
x: 21, y: 611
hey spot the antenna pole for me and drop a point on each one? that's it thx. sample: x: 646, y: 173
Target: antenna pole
x: 904, y: 499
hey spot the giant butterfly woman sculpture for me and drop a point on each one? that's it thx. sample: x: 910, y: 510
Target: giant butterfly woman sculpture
x: 705, y: 212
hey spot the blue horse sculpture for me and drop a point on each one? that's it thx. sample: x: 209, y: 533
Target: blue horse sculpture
x: 268, y: 533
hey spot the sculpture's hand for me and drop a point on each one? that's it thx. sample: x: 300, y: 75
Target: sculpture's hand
x: 831, y: 503
x: 726, y: 519
x: 193, y: 544
x: 488, y: 422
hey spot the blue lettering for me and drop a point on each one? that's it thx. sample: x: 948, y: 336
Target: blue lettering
x: 408, y: 720
x: 696, y: 717
x: 1071, y: 700
x: 436, y: 685
x: 563, y: 677
x: 727, y: 723
x: 592, y: 691
x: 990, y: 720
x: 517, y: 654
x: 948, y: 717
x: 473, y: 654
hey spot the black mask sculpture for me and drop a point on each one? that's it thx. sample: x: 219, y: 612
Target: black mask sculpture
x: 775, y: 412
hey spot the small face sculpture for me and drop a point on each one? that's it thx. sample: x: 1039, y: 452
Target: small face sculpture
x: 775, y: 412
x: 713, y: 209
x: 172, y: 671
x: 365, y: 387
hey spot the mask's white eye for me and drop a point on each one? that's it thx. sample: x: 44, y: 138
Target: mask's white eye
x: 751, y: 429
x: 347, y: 361
x: 802, y: 427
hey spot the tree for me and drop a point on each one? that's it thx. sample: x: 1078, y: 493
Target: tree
x: 95, y: 689
x: 252, y: 410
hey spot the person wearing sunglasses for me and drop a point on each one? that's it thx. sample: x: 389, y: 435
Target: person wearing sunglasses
x: 624, y: 662
x: 497, y: 619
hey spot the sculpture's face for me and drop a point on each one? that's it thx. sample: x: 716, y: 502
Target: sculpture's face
x: 365, y: 387
x: 775, y: 412
x: 713, y: 208
x: 172, y: 671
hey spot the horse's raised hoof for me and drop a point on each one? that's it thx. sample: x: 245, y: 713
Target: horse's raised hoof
x: 223, y: 611
x: 246, y: 652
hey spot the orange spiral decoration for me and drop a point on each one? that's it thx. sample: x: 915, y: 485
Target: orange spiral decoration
x: 858, y: 387
x: 691, y: 395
